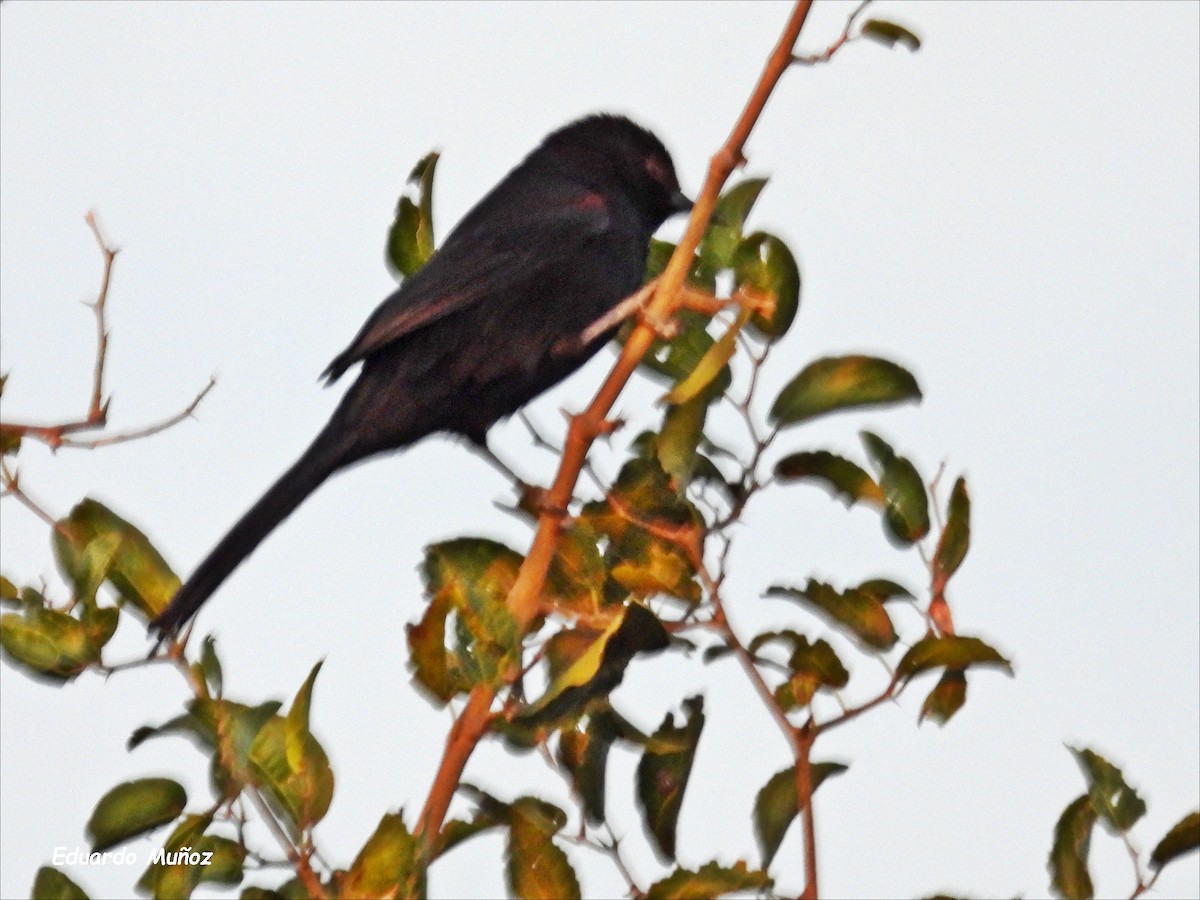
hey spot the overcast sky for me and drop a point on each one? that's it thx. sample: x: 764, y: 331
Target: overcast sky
x: 1013, y: 213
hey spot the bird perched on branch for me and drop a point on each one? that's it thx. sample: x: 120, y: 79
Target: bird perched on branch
x: 489, y: 323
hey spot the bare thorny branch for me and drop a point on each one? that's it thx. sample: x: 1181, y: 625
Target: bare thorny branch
x: 10, y: 486
x: 96, y: 417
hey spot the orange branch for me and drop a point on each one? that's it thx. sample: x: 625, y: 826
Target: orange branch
x: 524, y: 599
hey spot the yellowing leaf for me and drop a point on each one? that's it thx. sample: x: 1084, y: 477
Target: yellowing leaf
x: 710, y: 365
x: 764, y: 264
x: 410, y: 239
x: 843, y: 382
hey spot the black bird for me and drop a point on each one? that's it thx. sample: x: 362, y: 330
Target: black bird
x: 488, y: 323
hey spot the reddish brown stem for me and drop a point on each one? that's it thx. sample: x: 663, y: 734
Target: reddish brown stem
x: 524, y: 599
x: 469, y: 727
x: 804, y: 798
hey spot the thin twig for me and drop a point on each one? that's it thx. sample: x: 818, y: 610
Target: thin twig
x: 108, y: 440
x: 98, y: 408
x: 800, y: 739
x: 933, y: 494
x: 140, y: 662
x: 1142, y: 884
x: 893, y: 690
x: 611, y: 849
x: 844, y: 39
x: 55, y: 436
x: 11, y: 487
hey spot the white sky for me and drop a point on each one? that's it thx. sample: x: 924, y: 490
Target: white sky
x: 1012, y: 213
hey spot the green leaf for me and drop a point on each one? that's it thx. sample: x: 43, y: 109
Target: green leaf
x: 811, y: 666
x: 134, y: 808
x: 724, y: 234
x: 734, y: 205
x: 100, y: 623
x: 577, y: 573
x: 237, y: 724
x: 884, y: 590
x: 584, y: 754
x: 946, y: 698
x: 700, y: 274
x: 657, y: 257
x: 1068, y: 864
x: 764, y: 266
x: 890, y: 34
x: 469, y: 577
x: 537, y: 867
x: 1182, y: 839
x: 489, y: 813
x: 682, y: 429
x: 710, y: 880
x: 226, y: 865
x: 599, y: 665
x: 181, y: 865
x: 645, y: 567
x: 843, y: 479
x: 210, y: 665
x: 296, y: 730
x: 51, y: 884
x: 951, y: 651
x: 136, y: 570
x: 905, y: 504
x: 191, y: 857
x: 1115, y: 802
x: 227, y: 728
x: 715, y: 652
x: 434, y: 669
x: 93, y: 565
x: 777, y: 805
x: 49, y: 643
x: 706, y: 472
x: 675, y: 360
x: 410, y: 239
x: 956, y: 536
x: 860, y: 613
x: 389, y: 864
x: 663, y: 772
x: 711, y: 365
x: 8, y: 591
x: 842, y: 382
x: 10, y: 441
x: 640, y: 562
x: 300, y: 793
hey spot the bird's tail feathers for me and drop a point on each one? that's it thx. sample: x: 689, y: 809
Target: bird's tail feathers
x: 326, y: 455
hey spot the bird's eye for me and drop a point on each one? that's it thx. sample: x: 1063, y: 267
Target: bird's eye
x: 657, y: 169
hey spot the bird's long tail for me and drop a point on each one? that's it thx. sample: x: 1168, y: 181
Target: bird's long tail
x: 327, y: 454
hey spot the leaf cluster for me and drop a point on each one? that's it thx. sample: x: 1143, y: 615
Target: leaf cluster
x: 640, y: 569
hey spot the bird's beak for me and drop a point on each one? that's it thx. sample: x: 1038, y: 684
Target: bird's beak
x: 680, y: 202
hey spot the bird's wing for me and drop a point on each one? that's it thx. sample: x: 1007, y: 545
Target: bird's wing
x: 478, y: 261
